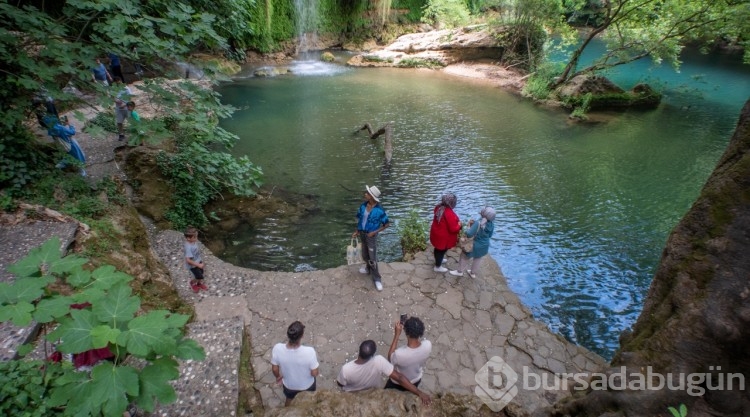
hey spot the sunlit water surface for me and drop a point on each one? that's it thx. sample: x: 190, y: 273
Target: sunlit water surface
x: 583, y: 210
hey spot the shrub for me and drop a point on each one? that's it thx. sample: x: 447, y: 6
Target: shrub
x: 412, y: 232
x: 46, y: 288
x: 446, y: 13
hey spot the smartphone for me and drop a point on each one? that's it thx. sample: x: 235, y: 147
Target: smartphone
x: 403, y: 318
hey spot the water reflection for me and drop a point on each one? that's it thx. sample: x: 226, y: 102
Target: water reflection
x: 583, y: 211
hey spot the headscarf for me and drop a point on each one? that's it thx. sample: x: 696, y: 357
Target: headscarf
x: 488, y: 215
x: 448, y: 200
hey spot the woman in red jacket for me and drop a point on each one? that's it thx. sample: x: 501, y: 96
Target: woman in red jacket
x: 444, y: 230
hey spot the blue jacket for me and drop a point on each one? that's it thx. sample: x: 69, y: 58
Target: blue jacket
x: 481, y: 238
x: 377, y: 218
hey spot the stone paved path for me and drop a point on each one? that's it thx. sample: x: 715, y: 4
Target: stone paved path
x: 468, y: 320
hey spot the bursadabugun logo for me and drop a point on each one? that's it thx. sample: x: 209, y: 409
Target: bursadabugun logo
x: 496, y: 383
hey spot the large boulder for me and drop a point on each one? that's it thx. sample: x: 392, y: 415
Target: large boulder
x: 603, y: 94
x: 435, y: 48
x: 696, y: 316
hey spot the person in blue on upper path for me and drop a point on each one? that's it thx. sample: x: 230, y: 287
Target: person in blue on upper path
x: 371, y: 220
x: 115, y: 68
x: 62, y: 131
x: 100, y: 74
x: 482, y: 232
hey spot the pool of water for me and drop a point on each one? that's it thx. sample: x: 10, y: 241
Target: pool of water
x: 583, y: 210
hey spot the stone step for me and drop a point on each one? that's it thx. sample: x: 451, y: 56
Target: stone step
x: 209, y: 387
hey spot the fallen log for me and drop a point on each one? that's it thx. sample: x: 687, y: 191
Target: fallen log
x: 387, y: 142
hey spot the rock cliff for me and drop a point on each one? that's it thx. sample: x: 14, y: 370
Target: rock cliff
x: 697, y: 314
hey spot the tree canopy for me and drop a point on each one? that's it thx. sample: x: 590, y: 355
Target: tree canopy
x: 50, y: 51
x: 659, y: 29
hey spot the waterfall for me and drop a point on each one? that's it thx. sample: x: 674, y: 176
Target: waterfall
x: 307, y: 25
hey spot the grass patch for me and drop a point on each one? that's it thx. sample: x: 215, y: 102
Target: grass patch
x: 431, y: 63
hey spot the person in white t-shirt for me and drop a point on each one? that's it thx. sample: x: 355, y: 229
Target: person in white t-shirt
x: 295, y: 366
x: 368, y: 371
x: 409, y: 359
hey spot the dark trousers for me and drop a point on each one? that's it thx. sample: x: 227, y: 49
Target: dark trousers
x: 370, y: 254
x: 392, y: 385
x: 439, y: 255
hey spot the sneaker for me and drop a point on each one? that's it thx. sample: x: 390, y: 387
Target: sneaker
x: 363, y: 270
x: 440, y: 269
x: 202, y: 286
x: 195, y: 287
x: 470, y: 274
x: 445, y: 260
x: 456, y: 273
x: 379, y: 285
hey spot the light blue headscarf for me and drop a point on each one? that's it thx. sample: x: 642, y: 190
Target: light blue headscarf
x: 488, y: 215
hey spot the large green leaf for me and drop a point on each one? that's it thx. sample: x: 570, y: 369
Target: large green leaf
x: 144, y: 333
x: 66, y: 264
x: 107, y: 276
x: 155, y: 384
x: 38, y: 260
x: 190, y: 349
x: 177, y: 321
x: 75, y: 332
x: 49, y: 309
x: 117, y: 306
x: 72, y: 390
x: 26, y: 289
x: 78, y: 277
x: 19, y: 313
x: 103, y: 335
x: 112, y: 384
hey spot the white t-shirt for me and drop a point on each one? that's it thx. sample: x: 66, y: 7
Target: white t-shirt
x: 295, y: 365
x: 410, y: 361
x: 356, y: 377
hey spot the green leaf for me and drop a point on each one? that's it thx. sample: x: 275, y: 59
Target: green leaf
x: 19, y: 314
x: 683, y: 410
x: 107, y: 276
x: 29, y: 289
x: 144, y: 334
x: 177, y: 320
x: 78, y: 277
x: 190, y: 349
x: 112, y: 385
x: 49, y: 309
x: 102, y: 335
x: 25, y: 349
x: 155, y: 384
x: 75, y: 332
x: 38, y: 259
x: 118, y: 305
x: 66, y: 264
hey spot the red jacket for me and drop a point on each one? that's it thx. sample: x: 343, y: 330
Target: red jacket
x: 444, y: 235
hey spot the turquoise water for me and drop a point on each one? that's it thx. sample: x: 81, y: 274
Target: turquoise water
x: 583, y: 210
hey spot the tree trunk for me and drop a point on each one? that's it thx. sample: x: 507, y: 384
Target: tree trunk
x: 388, y: 141
x: 696, y: 316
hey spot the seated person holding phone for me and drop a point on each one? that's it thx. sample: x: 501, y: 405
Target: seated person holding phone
x: 368, y: 370
x: 409, y: 360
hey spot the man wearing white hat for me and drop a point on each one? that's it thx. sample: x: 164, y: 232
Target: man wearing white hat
x: 371, y: 220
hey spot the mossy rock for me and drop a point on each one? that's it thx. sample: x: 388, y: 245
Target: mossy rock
x: 327, y: 57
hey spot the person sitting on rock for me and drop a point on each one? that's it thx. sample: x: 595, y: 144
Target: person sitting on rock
x: 409, y: 360
x: 295, y: 366
x: 368, y: 370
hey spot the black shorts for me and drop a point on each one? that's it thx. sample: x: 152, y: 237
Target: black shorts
x: 197, y: 272
x: 392, y: 385
x: 290, y: 393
